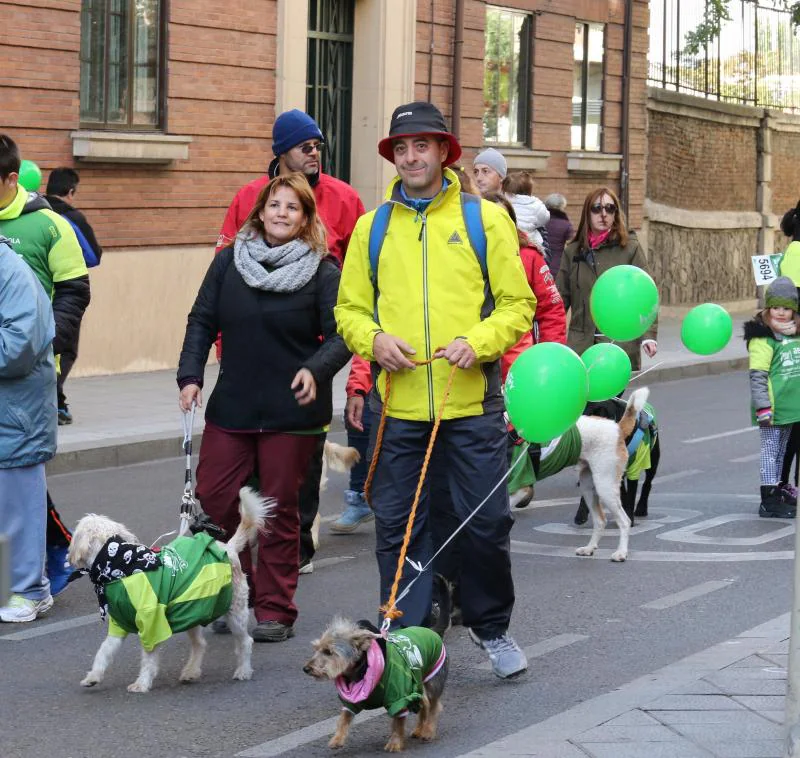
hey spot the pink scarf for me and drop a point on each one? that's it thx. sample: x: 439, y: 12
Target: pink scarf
x: 595, y: 240
x: 356, y: 692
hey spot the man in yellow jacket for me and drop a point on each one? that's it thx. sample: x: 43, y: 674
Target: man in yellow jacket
x: 423, y: 280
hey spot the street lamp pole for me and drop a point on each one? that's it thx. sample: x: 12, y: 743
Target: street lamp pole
x: 792, y: 718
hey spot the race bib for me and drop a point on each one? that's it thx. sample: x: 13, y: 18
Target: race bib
x: 765, y: 268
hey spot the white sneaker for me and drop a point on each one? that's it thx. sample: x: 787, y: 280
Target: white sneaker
x: 306, y: 567
x: 20, y: 609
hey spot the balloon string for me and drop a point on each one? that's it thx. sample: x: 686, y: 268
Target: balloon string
x: 642, y: 373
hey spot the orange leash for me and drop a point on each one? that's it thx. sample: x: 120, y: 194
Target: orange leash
x: 389, y: 610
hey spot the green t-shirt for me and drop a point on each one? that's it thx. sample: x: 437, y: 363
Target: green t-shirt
x: 790, y: 263
x: 192, y: 587
x: 412, y: 656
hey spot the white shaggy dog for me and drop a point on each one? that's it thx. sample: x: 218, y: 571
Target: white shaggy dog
x: 602, y: 462
x: 89, y: 538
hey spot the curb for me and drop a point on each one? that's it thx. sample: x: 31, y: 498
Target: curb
x: 162, y: 448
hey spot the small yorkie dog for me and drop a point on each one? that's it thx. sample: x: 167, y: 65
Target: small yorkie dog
x: 405, y: 672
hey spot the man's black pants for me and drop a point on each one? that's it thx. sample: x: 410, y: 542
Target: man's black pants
x: 471, y: 457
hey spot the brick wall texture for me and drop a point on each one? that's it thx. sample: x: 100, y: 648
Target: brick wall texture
x: 701, y: 165
x: 785, y: 185
x: 553, y: 38
x: 221, y: 92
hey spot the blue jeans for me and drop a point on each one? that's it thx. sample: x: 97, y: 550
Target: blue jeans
x: 23, y: 518
x: 360, y: 441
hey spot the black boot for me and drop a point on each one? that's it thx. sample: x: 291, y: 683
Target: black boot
x: 786, y: 495
x: 772, y: 506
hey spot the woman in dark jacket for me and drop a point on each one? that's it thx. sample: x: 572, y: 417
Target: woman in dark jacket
x: 271, y: 296
x: 559, y: 230
x: 601, y: 242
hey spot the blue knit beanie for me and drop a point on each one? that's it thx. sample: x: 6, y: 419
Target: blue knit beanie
x: 291, y: 128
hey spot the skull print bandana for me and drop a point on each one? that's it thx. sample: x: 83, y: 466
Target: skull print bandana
x: 116, y: 560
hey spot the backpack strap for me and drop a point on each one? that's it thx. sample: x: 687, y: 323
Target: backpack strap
x: 471, y: 210
x: 377, y: 234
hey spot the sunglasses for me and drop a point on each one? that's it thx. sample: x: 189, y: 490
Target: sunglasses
x: 310, y: 147
x: 609, y: 208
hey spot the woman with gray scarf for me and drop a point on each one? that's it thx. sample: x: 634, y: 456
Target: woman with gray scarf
x: 271, y: 296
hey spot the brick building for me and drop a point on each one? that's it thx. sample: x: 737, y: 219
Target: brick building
x: 166, y: 108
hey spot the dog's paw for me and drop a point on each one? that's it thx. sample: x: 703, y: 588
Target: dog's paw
x: 395, y: 744
x: 336, y: 741
x: 243, y: 673
x: 190, y: 674
x: 91, y: 679
x: 619, y: 556
x: 585, y: 551
x: 139, y: 687
x: 425, y: 732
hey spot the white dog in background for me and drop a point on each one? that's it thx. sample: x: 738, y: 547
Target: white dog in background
x: 336, y: 458
x: 92, y: 533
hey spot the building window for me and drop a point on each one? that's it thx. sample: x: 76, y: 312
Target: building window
x: 506, y: 77
x: 587, y: 87
x: 121, y: 64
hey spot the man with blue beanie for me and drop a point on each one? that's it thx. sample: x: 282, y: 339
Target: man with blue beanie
x: 298, y: 142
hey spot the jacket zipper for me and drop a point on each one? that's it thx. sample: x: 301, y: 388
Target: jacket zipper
x: 429, y: 367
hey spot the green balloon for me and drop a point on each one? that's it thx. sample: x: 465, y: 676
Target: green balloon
x: 545, y: 391
x: 609, y: 370
x: 30, y: 176
x: 706, y: 329
x: 624, y: 302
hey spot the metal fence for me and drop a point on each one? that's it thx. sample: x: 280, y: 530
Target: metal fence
x: 755, y: 60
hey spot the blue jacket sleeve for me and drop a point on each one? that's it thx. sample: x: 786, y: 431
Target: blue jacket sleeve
x: 27, y: 328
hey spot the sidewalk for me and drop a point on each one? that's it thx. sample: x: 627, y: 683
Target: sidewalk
x: 724, y: 702
x: 131, y: 418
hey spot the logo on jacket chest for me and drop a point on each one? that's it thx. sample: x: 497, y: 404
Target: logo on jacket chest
x: 455, y: 239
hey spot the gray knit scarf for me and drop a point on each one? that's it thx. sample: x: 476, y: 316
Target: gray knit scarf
x: 293, y: 264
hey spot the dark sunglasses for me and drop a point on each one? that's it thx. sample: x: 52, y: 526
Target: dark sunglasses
x: 309, y: 147
x: 609, y: 208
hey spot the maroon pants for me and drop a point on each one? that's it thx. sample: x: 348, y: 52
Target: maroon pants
x: 227, y: 461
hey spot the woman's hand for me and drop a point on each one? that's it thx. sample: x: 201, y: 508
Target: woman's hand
x: 305, y: 387
x: 650, y: 347
x: 191, y: 393
x: 354, y: 412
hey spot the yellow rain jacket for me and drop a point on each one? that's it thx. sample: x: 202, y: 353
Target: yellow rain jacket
x: 430, y: 289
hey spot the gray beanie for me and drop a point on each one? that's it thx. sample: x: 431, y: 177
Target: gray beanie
x: 781, y: 294
x: 493, y: 159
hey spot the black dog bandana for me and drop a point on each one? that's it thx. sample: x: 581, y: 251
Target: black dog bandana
x: 116, y: 560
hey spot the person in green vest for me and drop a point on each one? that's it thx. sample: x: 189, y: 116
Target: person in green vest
x: 790, y: 262
x: 774, y: 347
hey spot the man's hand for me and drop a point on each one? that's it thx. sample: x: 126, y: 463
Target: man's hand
x: 305, y: 387
x: 191, y: 393
x: 354, y: 412
x: 390, y: 352
x: 650, y: 347
x: 458, y: 353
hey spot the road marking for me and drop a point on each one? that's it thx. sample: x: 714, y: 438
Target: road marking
x: 678, y: 475
x: 690, y: 533
x: 544, y: 647
x: 58, y: 626
x: 303, y: 736
x: 554, y: 551
x: 670, y: 601
x: 695, y: 440
x: 322, y: 562
x: 746, y: 458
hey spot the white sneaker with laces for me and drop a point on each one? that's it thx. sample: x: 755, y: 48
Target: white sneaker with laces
x: 20, y: 609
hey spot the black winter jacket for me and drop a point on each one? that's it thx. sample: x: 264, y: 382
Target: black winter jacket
x: 63, y: 208
x: 267, y: 338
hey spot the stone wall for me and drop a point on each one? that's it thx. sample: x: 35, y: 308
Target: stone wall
x: 700, y: 265
x: 719, y: 178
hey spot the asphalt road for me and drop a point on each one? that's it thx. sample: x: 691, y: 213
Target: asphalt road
x: 703, y: 568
